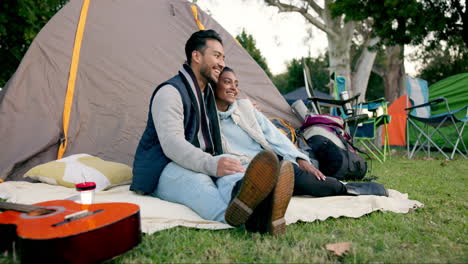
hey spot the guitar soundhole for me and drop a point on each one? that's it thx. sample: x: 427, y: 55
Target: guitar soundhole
x: 45, y: 212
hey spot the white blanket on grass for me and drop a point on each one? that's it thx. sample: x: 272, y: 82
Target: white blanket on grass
x: 158, y: 215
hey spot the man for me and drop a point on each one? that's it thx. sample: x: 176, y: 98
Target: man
x: 179, y: 156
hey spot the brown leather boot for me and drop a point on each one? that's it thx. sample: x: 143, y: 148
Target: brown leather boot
x: 282, y: 194
x: 258, y: 221
x: 269, y: 214
x: 259, y: 180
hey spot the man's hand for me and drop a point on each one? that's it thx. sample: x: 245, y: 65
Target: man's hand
x: 306, y: 166
x: 228, y: 166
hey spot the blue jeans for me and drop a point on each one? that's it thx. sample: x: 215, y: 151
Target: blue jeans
x: 207, y: 196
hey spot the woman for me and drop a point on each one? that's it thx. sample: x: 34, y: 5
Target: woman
x: 246, y: 132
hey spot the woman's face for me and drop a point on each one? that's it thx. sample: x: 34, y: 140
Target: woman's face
x: 227, y: 88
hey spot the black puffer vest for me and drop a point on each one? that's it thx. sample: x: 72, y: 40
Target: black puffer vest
x: 149, y: 158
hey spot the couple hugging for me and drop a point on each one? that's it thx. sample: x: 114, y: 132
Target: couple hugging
x: 220, y: 156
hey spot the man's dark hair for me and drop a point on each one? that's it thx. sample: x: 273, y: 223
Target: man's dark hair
x: 198, y: 42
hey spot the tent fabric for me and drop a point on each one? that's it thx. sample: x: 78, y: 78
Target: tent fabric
x: 72, y: 77
x: 418, y: 93
x: 128, y: 48
x: 455, y: 90
x: 195, y: 16
x: 397, y: 128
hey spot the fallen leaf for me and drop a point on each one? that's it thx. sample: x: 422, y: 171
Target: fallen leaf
x: 444, y: 163
x: 339, y: 248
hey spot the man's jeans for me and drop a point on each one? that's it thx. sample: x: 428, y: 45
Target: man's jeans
x: 207, y: 196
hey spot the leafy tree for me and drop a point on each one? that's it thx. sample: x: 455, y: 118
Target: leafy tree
x: 20, y: 21
x: 318, y: 68
x: 248, y: 42
x: 396, y: 23
x: 281, y: 82
x: 441, y: 61
x: 340, y: 35
x: 399, y: 22
x: 293, y: 78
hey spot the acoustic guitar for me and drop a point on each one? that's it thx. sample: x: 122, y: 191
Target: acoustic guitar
x: 63, y: 231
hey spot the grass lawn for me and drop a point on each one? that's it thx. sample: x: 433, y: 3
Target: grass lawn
x: 436, y: 233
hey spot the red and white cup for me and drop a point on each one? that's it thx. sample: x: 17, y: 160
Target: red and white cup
x: 86, y: 190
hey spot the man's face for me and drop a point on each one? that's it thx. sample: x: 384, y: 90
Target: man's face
x: 212, y: 60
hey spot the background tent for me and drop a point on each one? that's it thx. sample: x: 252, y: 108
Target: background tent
x: 455, y: 90
x: 301, y: 93
x: 397, y: 125
x: 128, y: 47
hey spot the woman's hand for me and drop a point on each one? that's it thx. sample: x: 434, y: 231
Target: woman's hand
x: 306, y: 166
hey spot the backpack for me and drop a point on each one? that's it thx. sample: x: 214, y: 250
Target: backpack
x: 331, y: 146
x: 287, y: 129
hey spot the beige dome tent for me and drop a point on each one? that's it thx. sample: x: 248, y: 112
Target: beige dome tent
x: 127, y: 48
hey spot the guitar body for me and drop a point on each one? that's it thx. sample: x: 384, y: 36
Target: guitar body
x: 108, y: 230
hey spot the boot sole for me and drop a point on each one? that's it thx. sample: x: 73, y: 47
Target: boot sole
x: 282, y: 194
x: 260, y: 178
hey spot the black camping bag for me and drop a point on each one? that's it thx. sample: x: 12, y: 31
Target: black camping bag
x: 336, y: 162
x: 331, y: 146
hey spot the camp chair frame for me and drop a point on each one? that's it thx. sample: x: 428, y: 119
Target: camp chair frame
x: 315, y: 102
x: 351, y: 120
x: 354, y: 119
x: 374, y: 123
x: 424, y: 139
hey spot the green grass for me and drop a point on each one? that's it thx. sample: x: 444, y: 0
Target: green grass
x: 436, y: 233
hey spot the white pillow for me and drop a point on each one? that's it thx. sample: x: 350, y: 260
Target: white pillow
x: 82, y: 168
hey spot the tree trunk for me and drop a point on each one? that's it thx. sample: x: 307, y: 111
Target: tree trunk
x: 339, y: 58
x: 339, y: 36
x: 394, y: 74
x: 364, y: 68
x: 339, y: 46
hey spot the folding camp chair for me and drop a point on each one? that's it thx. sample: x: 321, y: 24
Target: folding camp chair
x: 365, y: 121
x: 339, y: 107
x: 428, y: 125
x: 367, y: 131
